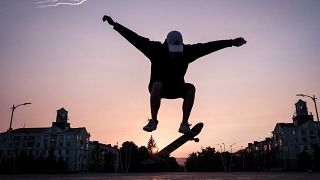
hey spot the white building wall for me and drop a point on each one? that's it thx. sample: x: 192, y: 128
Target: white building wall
x: 72, y: 146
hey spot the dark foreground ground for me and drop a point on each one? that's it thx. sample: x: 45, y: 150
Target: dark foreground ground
x: 176, y: 176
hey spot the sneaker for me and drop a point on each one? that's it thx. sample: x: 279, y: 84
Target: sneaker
x: 184, y: 127
x: 151, y: 126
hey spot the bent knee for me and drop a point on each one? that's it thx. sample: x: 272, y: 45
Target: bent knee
x: 156, y: 86
x: 191, y: 88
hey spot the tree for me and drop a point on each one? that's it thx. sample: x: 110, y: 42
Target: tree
x: 108, y: 162
x: 152, y: 146
x: 206, y: 160
x: 131, y: 157
x: 304, y: 161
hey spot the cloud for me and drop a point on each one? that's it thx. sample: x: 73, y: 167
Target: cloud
x: 54, y: 3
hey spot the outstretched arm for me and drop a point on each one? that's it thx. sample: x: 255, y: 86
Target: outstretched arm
x: 202, y: 49
x: 141, y: 43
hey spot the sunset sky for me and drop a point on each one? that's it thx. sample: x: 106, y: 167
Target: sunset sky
x: 65, y: 56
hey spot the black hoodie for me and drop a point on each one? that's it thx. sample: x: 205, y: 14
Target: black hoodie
x: 167, y: 67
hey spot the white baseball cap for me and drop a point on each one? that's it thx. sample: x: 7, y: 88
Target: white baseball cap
x: 175, y: 41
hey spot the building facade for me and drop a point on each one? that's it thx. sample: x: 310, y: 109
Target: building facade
x: 288, y: 141
x: 302, y: 135
x: 103, y: 157
x: 60, y: 140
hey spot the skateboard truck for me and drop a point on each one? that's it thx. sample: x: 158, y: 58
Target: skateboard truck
x: 195, y: 139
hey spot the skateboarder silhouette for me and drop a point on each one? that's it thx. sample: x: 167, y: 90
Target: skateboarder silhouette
x: 169, y: 64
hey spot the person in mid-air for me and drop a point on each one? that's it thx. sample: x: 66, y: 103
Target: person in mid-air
x: 169, y: 64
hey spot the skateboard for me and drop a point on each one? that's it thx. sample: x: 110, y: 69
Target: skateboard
x: 165, y: 152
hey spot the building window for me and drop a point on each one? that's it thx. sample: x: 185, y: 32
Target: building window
x: 280, y: 142
x: 304, y: 139
x: 53, y: 144
x: 294, y: 132
x: 61, y: 139
x: 16, y: 138
x: 311, y: 132
x: 45, y: 140
x: 30, y: 141
x: 53, y: 137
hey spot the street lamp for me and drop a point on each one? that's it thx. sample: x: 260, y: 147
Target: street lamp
x: 224, y: 147
x: 314, y: 100
x: 242, y: 158
x: 13, y: 108
x: 225, y: 157
x: 10, y: 129
x: 231, y: 157
x: 222, y: 159
x: 231, y: 146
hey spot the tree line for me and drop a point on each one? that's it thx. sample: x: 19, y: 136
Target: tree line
x: 129, y: 158
x: 208, y: 159
x: 27, y: 163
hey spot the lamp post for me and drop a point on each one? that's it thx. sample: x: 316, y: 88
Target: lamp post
x: 242, y: 158
x: 231, y: 157
x: 9, y: 132
x: 225, y: 157
x: 13, y: 108
x: 314, y: 100
x: 222, y: 159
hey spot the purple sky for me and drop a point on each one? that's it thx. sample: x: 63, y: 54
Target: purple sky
x: 64, y: 56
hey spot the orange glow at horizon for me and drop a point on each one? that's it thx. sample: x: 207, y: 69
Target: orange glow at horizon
x: 67, y: 57
x: 154, y: 150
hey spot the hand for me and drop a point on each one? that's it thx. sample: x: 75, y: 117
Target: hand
x: 238, y: 42
x: 109, y: 19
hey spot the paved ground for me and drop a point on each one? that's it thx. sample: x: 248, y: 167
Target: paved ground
x: 175, y: 176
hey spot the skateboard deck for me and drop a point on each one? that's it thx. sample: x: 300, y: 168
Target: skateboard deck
x: 165, y: 152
